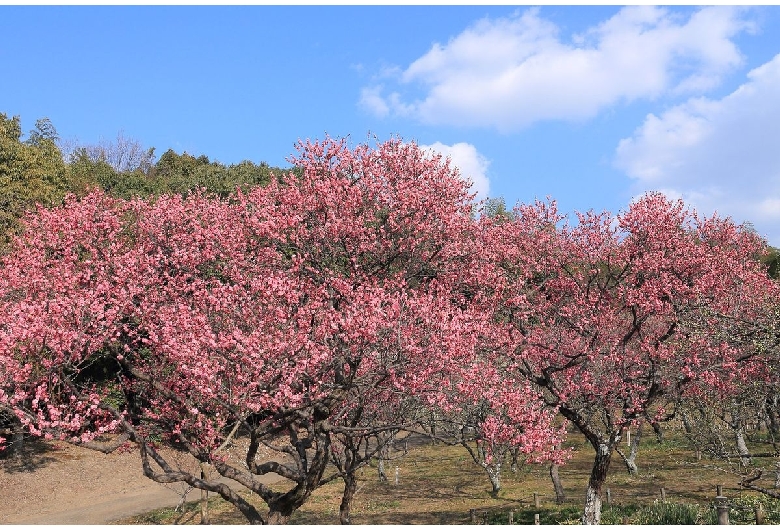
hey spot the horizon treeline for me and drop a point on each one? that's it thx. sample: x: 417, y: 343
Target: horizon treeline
x: 40, y: 168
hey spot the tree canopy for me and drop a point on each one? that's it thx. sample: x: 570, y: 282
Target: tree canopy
x: 321, y: 309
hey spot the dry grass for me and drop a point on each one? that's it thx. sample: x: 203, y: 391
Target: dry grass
x: 440, y: 484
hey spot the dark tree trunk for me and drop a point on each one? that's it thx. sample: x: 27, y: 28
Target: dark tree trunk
x: 515, y: 452
x: 204, y: 496
x: 659, y: 434
x: 560, y: 496
x: 279, y: 517
x: 598, y: 476
x: 350, y: 488
x: 16, y: 444
x: 281, y: 507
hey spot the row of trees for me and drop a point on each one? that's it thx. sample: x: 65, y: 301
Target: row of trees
x: 359, y: 295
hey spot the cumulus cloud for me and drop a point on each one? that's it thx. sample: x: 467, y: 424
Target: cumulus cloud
x: 510, y: 72
x: 472, y: 165
x: 716, y: 154
x: 371, y: 99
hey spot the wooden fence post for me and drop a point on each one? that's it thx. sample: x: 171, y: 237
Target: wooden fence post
x: 722, y: 507
x: 609, y: 497
x: 536, y: 518
x: 537, y: 500
x: 663, y: 495
x: 511, y: 517
x: 473, y: 516
x: 759, y: 513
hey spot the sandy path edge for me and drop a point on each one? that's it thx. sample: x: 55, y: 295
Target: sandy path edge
x: 73, y: 485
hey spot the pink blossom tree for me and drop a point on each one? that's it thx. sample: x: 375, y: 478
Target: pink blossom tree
x: 191, y: 320
x: 610, y: 316
x: 495, y: 418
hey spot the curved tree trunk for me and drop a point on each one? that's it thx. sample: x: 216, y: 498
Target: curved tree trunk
x: 630, y: 459
x: 598, y: 476
x: 742, y: 449
x: 515, y: 452
x: 204, y: 496
x: 659, y: 434
x: 281, y: 507
x: 494, y: 474
x: 381, y: 466
x: 686, y: 423
x: 560, y: 496
x: 350, y: 488
x: 492, y: 469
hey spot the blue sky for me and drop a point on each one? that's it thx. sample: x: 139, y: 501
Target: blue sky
x: 588, y: 105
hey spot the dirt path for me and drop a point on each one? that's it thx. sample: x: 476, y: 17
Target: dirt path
x: 71, y: 485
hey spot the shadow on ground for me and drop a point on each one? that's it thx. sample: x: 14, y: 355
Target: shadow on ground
x: 32, y: 455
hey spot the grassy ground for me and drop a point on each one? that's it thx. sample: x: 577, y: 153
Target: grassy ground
x: 440, y: 485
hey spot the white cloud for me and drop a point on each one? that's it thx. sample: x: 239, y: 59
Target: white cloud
x: 371, y: 99
x: 716, y: 154
x: 472, y: 165
x: 510, y: 72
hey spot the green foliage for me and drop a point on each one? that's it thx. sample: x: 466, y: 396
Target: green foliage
x: 659, y: 513
x: 616, y: 513
x: 10, y: 128
x: 667, y: 513
x: 772, y: 262
x: 44, y: 132
x: 84, y: 172
x: 182, y: 173
x: 174, y: 173
x: 495, y: 208
x: 127, y: 185
x: 31, y: 172
x: 742, y: 510
x: 556, y: 515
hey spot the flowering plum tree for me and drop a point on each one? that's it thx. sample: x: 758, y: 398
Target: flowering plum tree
x: 722, y: 421
x: 494, y: 417
x: 186, y: 320
x: 607, y: 317
x: 368, y: 426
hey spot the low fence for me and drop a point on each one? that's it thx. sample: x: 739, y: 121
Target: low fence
x: 722, y: 510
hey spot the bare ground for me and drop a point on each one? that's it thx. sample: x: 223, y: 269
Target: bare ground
x: 57, y: 483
